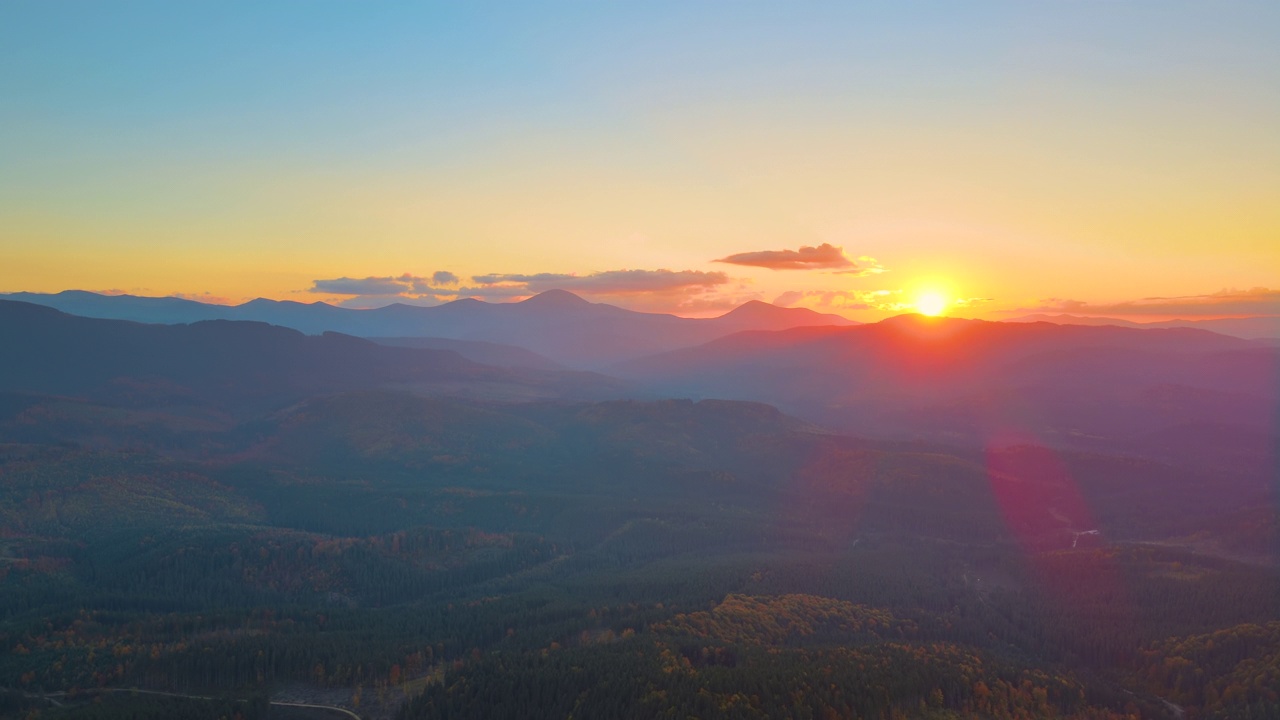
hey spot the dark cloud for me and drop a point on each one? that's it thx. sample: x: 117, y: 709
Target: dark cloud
x: 495, y: 292
x: 822, y: 257
x: 404, y: 286
x: 422, y: 286
x: 1251, y: 302
x: 365, y: 286
x: 612, y: 282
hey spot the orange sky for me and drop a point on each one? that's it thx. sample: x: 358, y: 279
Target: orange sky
x: 1062, y: 157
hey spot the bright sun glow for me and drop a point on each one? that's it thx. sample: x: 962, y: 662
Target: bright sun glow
x: 931, y: 303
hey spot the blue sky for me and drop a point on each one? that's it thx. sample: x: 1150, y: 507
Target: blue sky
x: 242, y: 149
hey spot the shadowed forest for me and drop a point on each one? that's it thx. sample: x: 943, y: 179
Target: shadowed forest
x: 932, y: 519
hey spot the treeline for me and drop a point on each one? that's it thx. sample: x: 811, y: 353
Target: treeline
x: 652, y: 678
x: 144, y: 706
x: 914, y: 590
x: 375, y: 541
x: 1229, y: 674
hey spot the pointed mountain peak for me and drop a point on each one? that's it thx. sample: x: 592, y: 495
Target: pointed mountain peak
x: 757, y: 308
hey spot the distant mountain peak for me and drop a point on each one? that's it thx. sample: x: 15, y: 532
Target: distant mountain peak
x: 755, y: 311
x: 555, y: 298
x: 76, y: 293
x: 755, y: 307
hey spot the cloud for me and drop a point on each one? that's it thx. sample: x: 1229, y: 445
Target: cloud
x: 823, y: 257
x: 612, y: 282
x: 885, y: 300
x: 495, y: 292
x: 684, y: 291
x: 688, y: 292
x: 688, y: 304
x: 365, y: 286
x: 1224, y: 303
x: 204, y: 297
x: 140, y: 292
x: 407, y: 285
x: 892, y: 301
x: 866, y: 266
x: 968, y: 302
x: 370, y: 302
x: 788, y: 298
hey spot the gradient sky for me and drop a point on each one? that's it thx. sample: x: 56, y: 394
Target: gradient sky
x: 1067, y: 156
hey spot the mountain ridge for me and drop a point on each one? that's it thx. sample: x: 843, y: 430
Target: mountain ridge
x: 557, y: 324
x: 1255, y: 327
x: 911, y: 376
x: 243, y: 363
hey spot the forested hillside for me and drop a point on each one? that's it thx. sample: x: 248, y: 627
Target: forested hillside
x: 412, y: 554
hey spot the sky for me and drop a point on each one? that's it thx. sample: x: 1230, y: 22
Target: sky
x: 1117, y: 158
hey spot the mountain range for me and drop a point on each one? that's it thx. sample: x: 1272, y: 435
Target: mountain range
x: 910, y: 386
x: 968, y: 382
x: 971, y: 381
x: 555, y: 324
x: 204, y: 507
x: 1253, y: 328
x: 238, y: 364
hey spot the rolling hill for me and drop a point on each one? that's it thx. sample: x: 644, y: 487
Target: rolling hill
x: 241, y: 364
x: 970, y: 381
x: 1252, y: 328
x: 223, y: 507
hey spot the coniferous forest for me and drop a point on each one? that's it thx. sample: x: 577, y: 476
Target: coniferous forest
x: 202, y: 548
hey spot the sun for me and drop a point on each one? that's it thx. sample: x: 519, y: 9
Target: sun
x: 931, y: 303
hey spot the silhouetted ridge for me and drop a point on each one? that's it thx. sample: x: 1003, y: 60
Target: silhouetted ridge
x: 915, y: 375
x: 1252, y: 327
x: 757, y: 308
x: 758, y: 315
x: 555, y: 299
x: 557, y: 324
x: 231, y: 362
